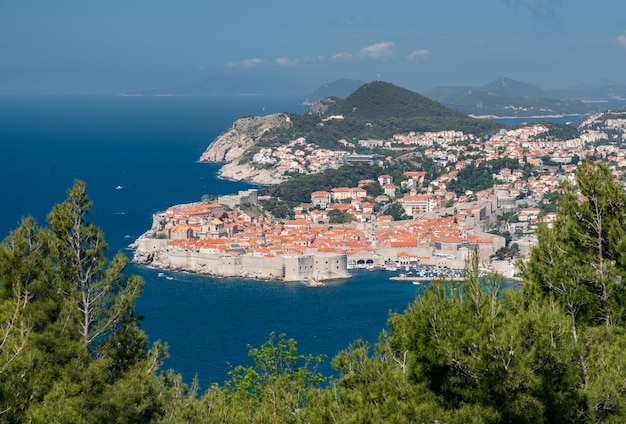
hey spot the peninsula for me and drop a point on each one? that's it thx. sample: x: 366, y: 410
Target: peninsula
x: 411, y: 197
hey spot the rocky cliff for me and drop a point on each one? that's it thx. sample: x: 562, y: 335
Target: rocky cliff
x: 240, y: 136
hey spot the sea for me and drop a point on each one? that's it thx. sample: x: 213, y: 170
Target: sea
x: 139, y: 155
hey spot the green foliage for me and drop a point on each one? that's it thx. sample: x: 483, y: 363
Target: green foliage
x: 71, y: 349
x: 276, y: 388
x: 103, y: 295
x: 374, y: 111
x: 397, y: 212
x: 581, y: 260
x: 298, y: 190
x: 463, y: 352
x: 373, y: 189
x: 278, y: 208
x: 507, y: 252
x: 474, y: 346
x: 335, y: 216
x: 560, y: 131
x: 472, y: 177
x: 549, y: 202
x: 397, y: 109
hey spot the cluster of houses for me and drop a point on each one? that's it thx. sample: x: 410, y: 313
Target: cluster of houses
x: 443, y: 229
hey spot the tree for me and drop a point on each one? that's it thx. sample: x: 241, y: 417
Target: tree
x: 275, y: 389
x: 581, y: 260
x: 464, y: 352
x: 335, y: 216
x: 72, y: 350
x: 278, y: 208
x: 103, y: 296
x: 29, y: 308
x: 397, y: 212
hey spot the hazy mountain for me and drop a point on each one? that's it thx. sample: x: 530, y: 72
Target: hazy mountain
x: 341, y: 89
x: 508, y: 87
x: 507, y: 97
x: 601, y: 91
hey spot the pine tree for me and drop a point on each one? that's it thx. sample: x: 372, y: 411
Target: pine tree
x: 71, y: 347
x: 581, y: 260
x: 104, y: 298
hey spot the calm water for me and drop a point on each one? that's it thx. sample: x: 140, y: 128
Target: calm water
x: 149, y: 146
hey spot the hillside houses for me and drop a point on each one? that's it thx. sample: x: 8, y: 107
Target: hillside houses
x: 443, y: 229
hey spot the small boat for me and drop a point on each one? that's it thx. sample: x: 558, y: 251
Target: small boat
x: 160, y: 274
x: 314, y: 282
x: 119, y: 187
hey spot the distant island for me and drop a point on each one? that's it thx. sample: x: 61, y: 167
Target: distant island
x: 505, y: 97
x: 385, y: 178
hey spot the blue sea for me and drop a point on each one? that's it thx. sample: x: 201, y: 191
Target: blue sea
x: 138, y: 155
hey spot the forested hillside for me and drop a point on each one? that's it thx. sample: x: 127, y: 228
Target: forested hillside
x: 72, y: 351
x: 376, y: 110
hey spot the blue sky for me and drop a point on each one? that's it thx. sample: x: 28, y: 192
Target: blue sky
x: 86, y: 46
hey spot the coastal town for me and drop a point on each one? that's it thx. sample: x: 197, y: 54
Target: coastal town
x: 234, y: 236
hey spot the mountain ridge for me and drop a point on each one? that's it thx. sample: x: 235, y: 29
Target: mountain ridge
x: 505, y: 97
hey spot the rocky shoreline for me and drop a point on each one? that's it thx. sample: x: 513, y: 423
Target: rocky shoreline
x: 235, y: 140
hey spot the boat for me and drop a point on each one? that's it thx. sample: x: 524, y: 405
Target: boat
x: 160, y: 274
x: 314, y: 282
x: 119, y: 187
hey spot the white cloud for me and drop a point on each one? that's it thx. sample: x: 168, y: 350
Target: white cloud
x: 251, y: 63
x: 416, y: 54
x: 286, y: 61
x: 379, y: 50
x: 246, y: 63
x: 621, y: 40
x: 342, y: 56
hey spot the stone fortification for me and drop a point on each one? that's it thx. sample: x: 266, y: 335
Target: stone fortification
x: 317, y: 266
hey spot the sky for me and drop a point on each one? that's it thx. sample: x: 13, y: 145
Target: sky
x: 101, y: 47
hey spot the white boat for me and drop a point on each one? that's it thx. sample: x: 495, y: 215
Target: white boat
x: 119, y: 187
x: 314, y: 282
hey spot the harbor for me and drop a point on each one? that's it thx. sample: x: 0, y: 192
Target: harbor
x: 417, y: 279
x: 424, y: 274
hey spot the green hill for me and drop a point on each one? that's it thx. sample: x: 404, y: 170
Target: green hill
x: 376, y: 110
x: 394, y: 109
x: 380, y: 100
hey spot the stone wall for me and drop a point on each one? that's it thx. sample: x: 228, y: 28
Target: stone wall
x: 323, y: 266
